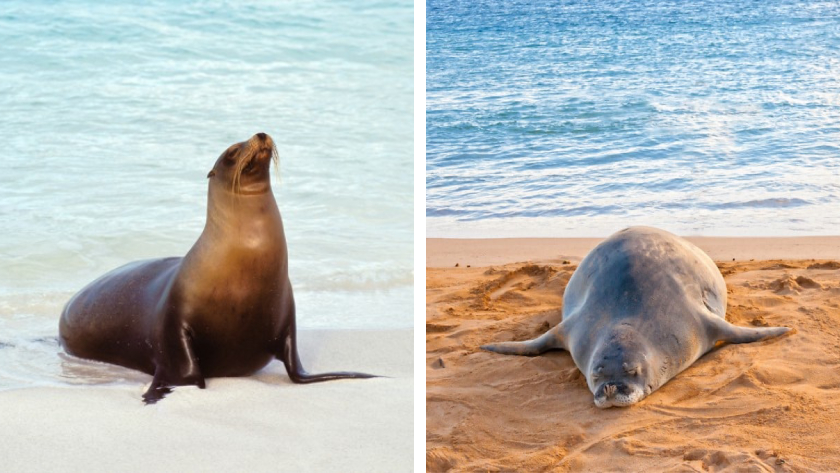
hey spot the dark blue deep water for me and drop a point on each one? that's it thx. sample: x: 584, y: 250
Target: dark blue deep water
x: 580, y: 118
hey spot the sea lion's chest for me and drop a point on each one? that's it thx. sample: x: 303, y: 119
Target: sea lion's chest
x: 233, y: 327
x: 234, y: 298
x: 230, y: 306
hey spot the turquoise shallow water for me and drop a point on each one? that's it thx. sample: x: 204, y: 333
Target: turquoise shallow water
x: 113, y: 113
x: 579, y: 118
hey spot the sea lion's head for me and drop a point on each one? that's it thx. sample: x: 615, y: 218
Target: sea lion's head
x: 621, y: 370
x: 244, y: 167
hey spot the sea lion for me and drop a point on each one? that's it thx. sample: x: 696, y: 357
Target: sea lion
x: 224, y: 309
x: 642, y: 306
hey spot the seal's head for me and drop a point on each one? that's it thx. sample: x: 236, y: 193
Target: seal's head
x: 244, y: 167
x: 621, y: 371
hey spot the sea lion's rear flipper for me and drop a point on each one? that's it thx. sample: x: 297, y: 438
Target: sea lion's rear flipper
x: 289, y: 357
x: 554, y: 339
x: 177, y: 366
x: 722, y: 331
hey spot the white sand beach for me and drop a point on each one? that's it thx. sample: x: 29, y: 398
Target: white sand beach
x: 259, y: 423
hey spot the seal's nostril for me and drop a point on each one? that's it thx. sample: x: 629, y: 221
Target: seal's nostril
x: 261, y: 136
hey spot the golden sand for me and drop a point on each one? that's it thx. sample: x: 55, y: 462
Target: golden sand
x: 766, y: 406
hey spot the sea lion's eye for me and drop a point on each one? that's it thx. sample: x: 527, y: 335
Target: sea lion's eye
x: 229, y: 157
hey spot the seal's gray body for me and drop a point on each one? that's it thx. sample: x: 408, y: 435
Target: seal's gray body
x: 641, y: 307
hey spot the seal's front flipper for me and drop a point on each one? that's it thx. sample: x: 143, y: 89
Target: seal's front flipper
x: 177, y: 366
x: 297, y: 374
x: 551, y: 340
x: 723, y: 331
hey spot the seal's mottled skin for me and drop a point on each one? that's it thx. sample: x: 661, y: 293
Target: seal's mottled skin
x: 641, y: 307
x: 224, y: 309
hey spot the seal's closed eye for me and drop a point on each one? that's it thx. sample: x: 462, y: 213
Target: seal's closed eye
x: 631, y: 370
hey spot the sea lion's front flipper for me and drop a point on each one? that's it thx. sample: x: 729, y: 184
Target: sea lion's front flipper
x: 722, y: 331
x: 158, y: 389
x: 289, y: 356
x: 177, y: 366
x: 554, y: 339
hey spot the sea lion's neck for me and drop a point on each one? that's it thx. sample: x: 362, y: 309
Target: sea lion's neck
x: 240, y: 229
x: 246, y: 221
x: 242, y: 243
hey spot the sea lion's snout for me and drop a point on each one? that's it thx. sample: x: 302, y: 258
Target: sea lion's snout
x: 263, y: 146
x: 262, y: 140
x: 244, y: 166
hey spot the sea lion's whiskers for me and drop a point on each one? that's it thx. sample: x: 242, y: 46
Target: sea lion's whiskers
x: 275, y: 159
x: 245, y: 156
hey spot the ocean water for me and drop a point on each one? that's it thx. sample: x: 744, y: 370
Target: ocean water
x: 579, y: 118
x: 114, y: 112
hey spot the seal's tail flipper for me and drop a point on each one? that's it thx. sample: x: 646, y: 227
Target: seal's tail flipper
x: 299, y: 375
x: 551, y: 340
x: 724, y: 331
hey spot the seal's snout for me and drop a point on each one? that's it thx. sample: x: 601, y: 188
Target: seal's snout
x: 261, y: 136
x: 618, y: 394
x: 611, y: 389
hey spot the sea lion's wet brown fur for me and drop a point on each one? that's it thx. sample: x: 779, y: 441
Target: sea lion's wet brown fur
x: 224, y: 309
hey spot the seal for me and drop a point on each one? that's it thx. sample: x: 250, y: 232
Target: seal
x: 642, y: 306
x: 224, y: 309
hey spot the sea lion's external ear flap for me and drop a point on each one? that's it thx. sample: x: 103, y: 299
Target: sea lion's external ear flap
x: 211, y: 173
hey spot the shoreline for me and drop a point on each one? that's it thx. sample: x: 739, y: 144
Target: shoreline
x: 446, y: 252
x: 262, y: 422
